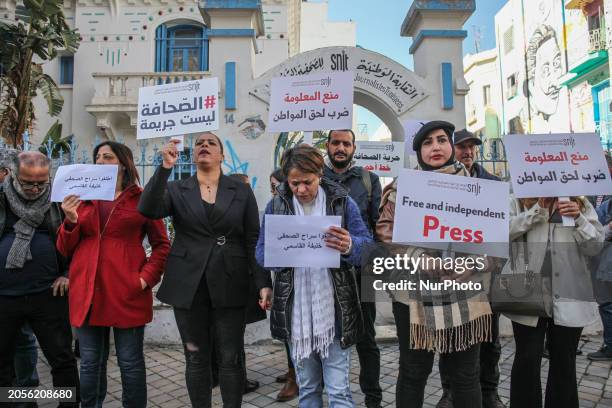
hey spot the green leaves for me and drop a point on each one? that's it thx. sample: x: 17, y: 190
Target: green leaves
x: 45, y: 34
x: 55, y: 101
x: 53, y: 139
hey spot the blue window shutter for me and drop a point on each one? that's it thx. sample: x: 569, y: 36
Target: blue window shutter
x: 204, y: 53
x: 66, y: 69
x: 161, y: 39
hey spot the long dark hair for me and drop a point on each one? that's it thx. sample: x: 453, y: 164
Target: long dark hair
x: 126, y: 158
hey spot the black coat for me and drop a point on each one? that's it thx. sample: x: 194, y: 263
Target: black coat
x: 353, y: 182
x: 479, y: 172
x: 222, y: 249
x: 346, y: 296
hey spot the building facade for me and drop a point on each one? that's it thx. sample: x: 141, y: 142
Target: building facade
x: 549, y: 71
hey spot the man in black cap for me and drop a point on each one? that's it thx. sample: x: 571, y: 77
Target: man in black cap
x: 466, y: 149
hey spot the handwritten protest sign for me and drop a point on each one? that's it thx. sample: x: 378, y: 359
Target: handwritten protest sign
x: 557, y: 165
x: 88, y: 181
x: 178, y: 108
x: 447, y: 212
x: 312, y: 102
x: 383, y: 158
x: 292, y: 241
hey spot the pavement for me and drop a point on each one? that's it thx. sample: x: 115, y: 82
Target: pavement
x: 166, y: 379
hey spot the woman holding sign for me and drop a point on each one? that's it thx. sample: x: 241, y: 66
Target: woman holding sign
x: 544, y: 246
x: 454, y: 328
x: 317, y: 310
x: 207, y: 277
x: 111, y: 279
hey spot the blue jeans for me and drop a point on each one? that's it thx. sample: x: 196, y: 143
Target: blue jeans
x: 605, y: 311
x: 26, y: 358
x: 94, y: 345
x: 335, y: 370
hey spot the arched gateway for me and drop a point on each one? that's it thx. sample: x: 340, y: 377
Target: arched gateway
x: 383, y: 86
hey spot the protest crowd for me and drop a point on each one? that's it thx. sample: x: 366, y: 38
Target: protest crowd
x: 73, y: 268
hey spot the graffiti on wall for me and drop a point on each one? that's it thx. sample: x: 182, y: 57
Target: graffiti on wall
x: 234, y: 164
x: 544, y: 69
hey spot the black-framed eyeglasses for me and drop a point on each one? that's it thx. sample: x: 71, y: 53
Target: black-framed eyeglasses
x: 31, y: 186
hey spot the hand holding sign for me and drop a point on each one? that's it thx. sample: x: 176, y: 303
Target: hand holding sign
x: 338, y: 238
x: 569, y: 209
x: 88, y: 181
x: 69, y: 207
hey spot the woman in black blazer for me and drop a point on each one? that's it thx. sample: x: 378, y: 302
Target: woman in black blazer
x: 216, y: 223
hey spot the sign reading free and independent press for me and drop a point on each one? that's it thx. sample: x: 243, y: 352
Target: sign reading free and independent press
x: 557, y: 165
x: 447, y: 212
x: 178, y: 108
x: 320, y: 101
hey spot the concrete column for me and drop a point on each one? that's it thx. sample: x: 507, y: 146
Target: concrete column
x: 437, y: 30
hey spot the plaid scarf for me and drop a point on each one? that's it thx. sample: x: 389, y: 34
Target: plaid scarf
x: 442, y: 321
x: 313, y: 317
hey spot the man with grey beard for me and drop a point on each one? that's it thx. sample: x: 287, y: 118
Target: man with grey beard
x: 33, y: 283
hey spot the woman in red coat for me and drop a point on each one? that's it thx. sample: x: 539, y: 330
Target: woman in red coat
x: 111, y: 279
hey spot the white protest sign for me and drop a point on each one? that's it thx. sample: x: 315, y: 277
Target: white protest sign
x: 312, y: 102
x: 411, y: 127
x: 383, y: 158
x: 557, y: 165
x: 443, y: 211
x: 294, y: 241
x: 178, y: 108
x: 88, y: 181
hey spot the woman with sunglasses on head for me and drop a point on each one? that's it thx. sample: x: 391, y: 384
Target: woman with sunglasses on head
x: 207, y: 276
x: 111, y: 278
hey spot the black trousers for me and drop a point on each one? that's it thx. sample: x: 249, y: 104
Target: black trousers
x: 197, y: 327
x: 48, y: 317
x: 369, y: 357
x: 415, y: 366
x: 561, y: 386
x: 490, y: 354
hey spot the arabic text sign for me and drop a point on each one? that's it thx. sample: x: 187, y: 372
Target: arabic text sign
x: 383, y: 158
x: 442, y: 211
x: 313, y: 102
x: 557, y: 165
x: 178, y: 108
x: 294, y: 241
x: 88, y: 181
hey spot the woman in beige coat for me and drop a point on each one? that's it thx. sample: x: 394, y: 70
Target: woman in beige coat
x: 542, y: 244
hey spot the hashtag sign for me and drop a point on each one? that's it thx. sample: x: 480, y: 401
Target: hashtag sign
x: 209, y: 102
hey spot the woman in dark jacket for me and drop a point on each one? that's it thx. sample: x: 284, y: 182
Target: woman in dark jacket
x: 207, y: 276
x: 327, y: 319
x: 111, y: 279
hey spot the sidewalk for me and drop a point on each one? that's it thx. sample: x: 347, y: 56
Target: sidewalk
x: 166, y: 380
